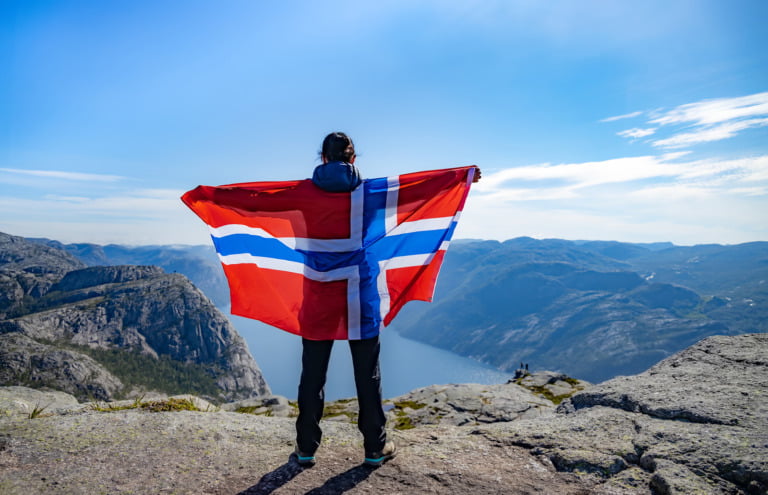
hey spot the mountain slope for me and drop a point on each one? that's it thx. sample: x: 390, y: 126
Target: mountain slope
x: 118, y: 328
x: 198, y: 263
x: 589, y: 309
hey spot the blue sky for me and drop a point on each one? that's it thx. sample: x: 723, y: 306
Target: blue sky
x: 633, y: 121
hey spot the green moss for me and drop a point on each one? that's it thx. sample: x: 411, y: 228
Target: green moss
x: 403, y: 422
x: 555, y: 399
x: 409, y: 404
x: 113, y: 407
x: 247, y: 409
x: 339, y: 408
x: 253, y: 410
x: 167, y: 405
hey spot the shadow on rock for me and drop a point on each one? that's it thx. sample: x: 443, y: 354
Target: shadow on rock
x: 275, y: 479
x: 344, y: 481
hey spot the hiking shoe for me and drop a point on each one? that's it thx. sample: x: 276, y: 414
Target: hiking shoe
x: 304, y: 459
x: 376, y: 459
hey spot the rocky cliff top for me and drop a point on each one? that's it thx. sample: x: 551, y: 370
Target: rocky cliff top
x: 99, y: 275
x: 695, y: 423
x: 16, y: 253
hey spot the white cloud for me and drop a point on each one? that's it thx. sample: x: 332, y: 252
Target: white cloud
x: 72, y: 199
x: 640, y: 199
x: 56, y: 174
x: 149, y: 216
x: 572, y: 179
x: 684, y: 220
x: 715, y: 111
x: 711, y: 133
x: 703, y: 121
x: 622, y: 117
x: 637, y: 133
x: 573, y: 176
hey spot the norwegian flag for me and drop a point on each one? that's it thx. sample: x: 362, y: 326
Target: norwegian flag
x: 332, y: 266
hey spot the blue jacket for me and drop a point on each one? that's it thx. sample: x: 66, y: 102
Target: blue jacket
x: 336, y: 177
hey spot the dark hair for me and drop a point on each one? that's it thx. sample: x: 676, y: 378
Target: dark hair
x: 337, y: 146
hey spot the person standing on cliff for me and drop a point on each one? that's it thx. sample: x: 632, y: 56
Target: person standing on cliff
x: 338, y: 173
x: 380, y: 242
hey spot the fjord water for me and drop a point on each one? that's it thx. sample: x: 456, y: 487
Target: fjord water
x: 405, y: 364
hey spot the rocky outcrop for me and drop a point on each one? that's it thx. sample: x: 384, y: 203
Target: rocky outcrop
x: 28, y: 362
x: 24, y: 401
x: 16, y: 253
x: 96, y: 276
x: 693, y: 424
x: 27, y: 271
x: 696, y: 422
x: 61, y: 337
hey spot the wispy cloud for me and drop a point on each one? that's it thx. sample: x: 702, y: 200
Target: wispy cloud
x: 710, y: 133
x: 715, y: 111
x: 701, y: 122
x: 571, y: 180
x: 57, y: 174
x: 647, y: 198
x: 145, y: 216
x: 622, y: 117
x: 637, y: 133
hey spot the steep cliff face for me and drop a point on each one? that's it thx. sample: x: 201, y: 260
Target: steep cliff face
x: 87, y: 313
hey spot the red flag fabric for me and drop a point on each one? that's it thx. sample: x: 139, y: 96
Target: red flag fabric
x: 332, y: 265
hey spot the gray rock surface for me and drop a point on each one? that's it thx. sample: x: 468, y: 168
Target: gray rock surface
x: 596, y: 443
x: 717, y: 381
x: 467, y: 404
x: 697, y: 419
x: 23, y: 400
x: 133, y: 451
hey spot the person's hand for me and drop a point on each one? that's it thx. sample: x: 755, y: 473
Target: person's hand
x: 478, y: 174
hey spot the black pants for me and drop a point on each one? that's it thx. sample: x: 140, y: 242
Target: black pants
x: 314, y: 362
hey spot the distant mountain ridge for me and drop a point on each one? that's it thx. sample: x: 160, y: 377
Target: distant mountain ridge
x: 107, y: 331
x: 592, y: 309
x: 198, y: 263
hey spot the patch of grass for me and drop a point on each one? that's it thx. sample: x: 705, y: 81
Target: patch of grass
x: 409, y: 404
x: 335, y: 409
x: 108, y: 407
x: 167, y: 405
x: 547, y: 394
x: 37, y: 411
x: 403, y: 421
x: 253, y: 410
